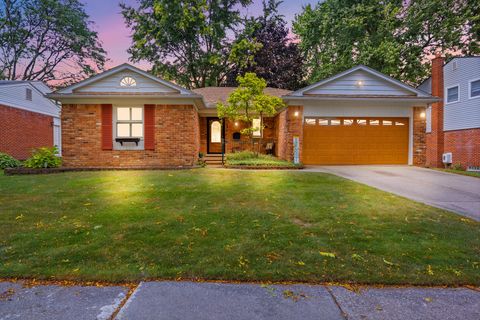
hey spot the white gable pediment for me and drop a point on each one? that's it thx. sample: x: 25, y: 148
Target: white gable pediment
x: 111, y: 82
x: 359, y: 81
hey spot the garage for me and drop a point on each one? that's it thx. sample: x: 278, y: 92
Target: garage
x: 359, y: 116
x: 355, y: 140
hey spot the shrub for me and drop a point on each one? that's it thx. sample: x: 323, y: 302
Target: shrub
x: 44, y: 157
x: 248, y: 158
x: 7, y: 161
x: 243, y: 155
x: 458, y: 166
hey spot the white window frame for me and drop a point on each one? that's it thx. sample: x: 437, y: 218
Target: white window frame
x: 128, y: 87
x: 470, y: 89
x: 117, y: 145
x: 446, y: 94
x: 258, y: 133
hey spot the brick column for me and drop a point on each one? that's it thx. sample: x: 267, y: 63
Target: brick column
x: 289, y: 124
x: 419, y: 136
x: 435, y: 139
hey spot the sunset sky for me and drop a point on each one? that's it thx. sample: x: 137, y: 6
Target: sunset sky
x: 116, y: 37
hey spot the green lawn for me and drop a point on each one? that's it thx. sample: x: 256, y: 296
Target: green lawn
x: 232, y: 225
x: 461, y: 172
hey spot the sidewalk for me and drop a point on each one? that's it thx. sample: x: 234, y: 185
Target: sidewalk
x: 215, y: 301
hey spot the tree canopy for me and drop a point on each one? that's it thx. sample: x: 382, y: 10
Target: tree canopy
x: 47, y: 40
x: 249, y: 102
x: 192, y: 42
x: 278, y: 60
x: 395, y: 37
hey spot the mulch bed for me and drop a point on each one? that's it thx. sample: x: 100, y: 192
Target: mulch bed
x: 25, y: 171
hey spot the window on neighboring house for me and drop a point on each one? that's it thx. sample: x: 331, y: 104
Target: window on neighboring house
x: 28, y: 94
x: 452, y: 94
x: 257, y: 125
x: 475, y: 89
x: 129, y: 122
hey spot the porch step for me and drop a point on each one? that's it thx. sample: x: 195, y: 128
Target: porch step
x: 213, y: 159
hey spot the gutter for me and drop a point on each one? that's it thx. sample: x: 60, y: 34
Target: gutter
x: 357, y: 98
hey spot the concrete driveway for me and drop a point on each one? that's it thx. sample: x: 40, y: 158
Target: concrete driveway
x: 457, y: 193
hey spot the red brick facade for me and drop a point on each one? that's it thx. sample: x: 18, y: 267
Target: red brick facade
x: 245, y: 143
x: 464, y: 146
x: 21, y: 131
x: 289, y: 124
x: 177, y: 139
x: 419, y: 136
x: 435, y: 137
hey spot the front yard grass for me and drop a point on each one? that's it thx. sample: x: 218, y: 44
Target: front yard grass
x: 228, y: 225
x: 461, y: 172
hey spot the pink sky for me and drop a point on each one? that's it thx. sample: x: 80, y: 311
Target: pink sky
x: 115, y: 36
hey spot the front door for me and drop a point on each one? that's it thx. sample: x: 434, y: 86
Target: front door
x: 214, y: 135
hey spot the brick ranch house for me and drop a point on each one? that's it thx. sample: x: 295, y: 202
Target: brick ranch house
x: 126, y: 117
x: 28, y: 120
x: 453, y: 124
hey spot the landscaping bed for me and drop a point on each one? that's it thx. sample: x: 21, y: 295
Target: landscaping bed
x: 228, y: 225
x: 251, y: 160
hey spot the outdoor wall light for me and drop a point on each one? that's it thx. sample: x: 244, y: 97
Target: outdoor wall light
x: 296, y: 114
x: 359, y: 83
x: 422, y: 115
x: 236, y: 124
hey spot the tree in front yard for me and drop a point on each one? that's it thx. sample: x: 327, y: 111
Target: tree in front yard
x: 250, y: 105
x: 47, y: 40
x: 189, y: 41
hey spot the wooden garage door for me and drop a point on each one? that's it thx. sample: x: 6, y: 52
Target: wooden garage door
x: 355, y: 141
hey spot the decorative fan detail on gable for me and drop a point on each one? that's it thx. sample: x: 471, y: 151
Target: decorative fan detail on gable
x: 128, y: 82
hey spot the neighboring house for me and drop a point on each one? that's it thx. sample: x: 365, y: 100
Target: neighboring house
x: 28, y: 119
x: 453, y: 125
x: 125, y: 117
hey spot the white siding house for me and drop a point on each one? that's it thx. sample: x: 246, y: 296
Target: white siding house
x: 30, y: 96
x: 461, y: 97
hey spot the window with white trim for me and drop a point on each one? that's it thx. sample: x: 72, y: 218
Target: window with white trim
x: 128, y: 128
x: 452, y: 94
x: 128, y: 82
x: 475, y: 89
x: 257, y: 126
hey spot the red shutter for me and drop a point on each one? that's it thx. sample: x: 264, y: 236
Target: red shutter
x: 149, y: 127
x: 107, y: 135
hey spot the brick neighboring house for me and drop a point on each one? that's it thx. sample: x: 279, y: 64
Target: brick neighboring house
x: 28, y: 119
x: 453, y: 124
x: 125, y: 117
